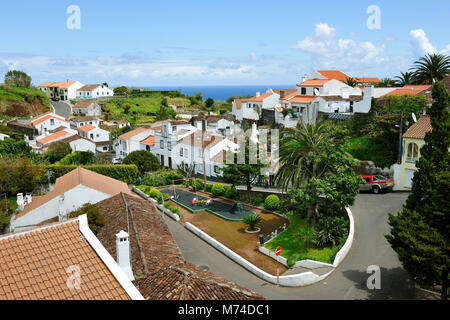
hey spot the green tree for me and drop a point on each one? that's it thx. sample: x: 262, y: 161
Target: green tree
x: 78, y: 158
x: 95, y: 219
x: 18, y: 79
x: 209, y: 103
x: 10, y: 146
x: 314, y: 163
x: 121, y: 91
x: 126, y: 107
x: 420, y: 233
x: 59, y: 150
x: 144, y: 160
x: 430, y: 68
x: 352, y: 82
x: 19, y: 174
x: 245, y: 173
x: 404, y: 78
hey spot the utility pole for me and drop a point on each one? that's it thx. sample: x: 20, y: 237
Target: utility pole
x: 203, y: 154
x: 399, y: 158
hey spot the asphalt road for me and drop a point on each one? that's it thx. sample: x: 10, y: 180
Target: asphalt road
x: 348, y: 281
x: 62, y: 108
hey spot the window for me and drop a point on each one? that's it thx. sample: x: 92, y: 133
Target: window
x: 92, y: 136
x: 52, y: 122
x: 367, y: 179
x: 412, y: 152
x: 97, y: 92
x: 181, y: 152
x: 200, y: 167
x: 162, y: 144
x: 185, y: 153
x: 169, y: 145
x: 216, y: 169
x: 147, y: 148
x: 105, y: 148
x: 174, y: 128
x: 303, y: 90
x: 98, y: 135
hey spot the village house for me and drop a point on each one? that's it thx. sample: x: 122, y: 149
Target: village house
x: 93, y: 133
x: 42, y: 264
x: 64, y: 90
x: 94, y: 91
x: 77, y: 122
x: 131, y: 141
x: 43, y: 142
x: 413, y: 141
x: 47, y: 122
x: 79, y: 143
x: 156, y: 257
x: 70, y: 192
x: 219, y: 124
x: 87, y: 108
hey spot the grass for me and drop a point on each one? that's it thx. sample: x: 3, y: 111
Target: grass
x: 365, y: 148
x: 10, y: 93
x: 293, y: 246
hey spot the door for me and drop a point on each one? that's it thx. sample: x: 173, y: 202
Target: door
x: 170, y: 162
x: 162, y: 161
x: 409, y: 174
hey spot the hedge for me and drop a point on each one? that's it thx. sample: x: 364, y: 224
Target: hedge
x: 127, y: 173
x: 272, y: 202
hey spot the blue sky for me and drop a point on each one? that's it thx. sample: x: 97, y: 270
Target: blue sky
x: 216, y: 42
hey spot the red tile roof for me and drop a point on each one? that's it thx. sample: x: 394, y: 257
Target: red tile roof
x: 35, y: 266
x: 61, y: 85
x: 334, y: 74
x: 86, y: 128
x: 368, y: 80
x: 84, y: 104
x: 157, y: 263
x: 411, y: 89
x: 150, y: 141
x: 133, y: 133
x: 301, y: 99
x: 260, y: 98
x: 45, y: 118
x: 238, y: 103
x: 52, y: 137
x: 313, y: 83
x: 419, y: 129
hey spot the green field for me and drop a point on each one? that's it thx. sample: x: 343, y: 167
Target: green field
x: 9, y: 93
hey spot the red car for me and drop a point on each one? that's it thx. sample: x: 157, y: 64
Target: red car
x: 376, y: 183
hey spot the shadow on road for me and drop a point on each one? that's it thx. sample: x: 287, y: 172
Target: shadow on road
x: 395, y: 284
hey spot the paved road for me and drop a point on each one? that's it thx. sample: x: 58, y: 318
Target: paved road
x: 62, y: 108
x: 348, y: 281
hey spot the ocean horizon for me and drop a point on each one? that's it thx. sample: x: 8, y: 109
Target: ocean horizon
x: 221, y: 93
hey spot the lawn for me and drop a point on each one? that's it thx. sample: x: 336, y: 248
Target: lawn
x: 293, y: 246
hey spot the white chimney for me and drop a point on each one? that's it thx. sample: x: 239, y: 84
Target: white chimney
x: 305, y: 77
x: 61, y: 210
x: 29, y: 198
x: 123, y: 253
x: 20, y: 201
x: 258, y: 94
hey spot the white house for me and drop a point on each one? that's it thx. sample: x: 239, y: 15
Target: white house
x: 48, y: 122
x: 65, y: 90
x: 94, y: 91
x: 87, y: 108
x: 77, y: 122
x: 220, y: 124
x: 131, y: 141
x: 79, y: 143
x: 54, y: 137
x: 71, y: 191
x: 93, y: 133
x: 250, y: 108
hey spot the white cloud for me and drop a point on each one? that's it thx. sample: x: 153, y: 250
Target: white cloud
x: 446, y: 50
x: 420, y: 43
x: 357, y: 58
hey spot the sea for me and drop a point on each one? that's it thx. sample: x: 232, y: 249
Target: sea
x: 222, y: 93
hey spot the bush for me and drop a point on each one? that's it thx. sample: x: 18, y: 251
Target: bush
x: 330, y: 230
x: 78, y: 158
x: 95, y: 218
x: 155, y: 194
x: 272, y: 202
x: 208, y: 187
x: 144, y: 160
x: 161, y: 177
x: 125, y: 172
x: 218, y: 189
x: 231, y: 193
x: 172, y: 209
x: 257, y: 201
x: 291, y: 261
x: 196, y: 183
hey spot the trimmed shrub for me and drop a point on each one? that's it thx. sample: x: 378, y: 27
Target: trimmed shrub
x: 208, y: 187
x: 161, y: 177
x: 272, y: 202
x: 197, y: 183
x: 218, y: 189
x: 231, y: 192
x: 155, y: 194
x: 144, y: 160
x: 125, y: 172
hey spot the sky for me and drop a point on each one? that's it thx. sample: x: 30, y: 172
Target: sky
x: 210, y: 42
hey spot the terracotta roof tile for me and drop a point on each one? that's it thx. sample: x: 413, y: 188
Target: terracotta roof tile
x: 313, y: 83
x: 334, y: 74
x: 86, y: 128
x: 149, y: 141
x: 89, y: 87
x: 83, y: 104
x: 132, y: 133
x: 52, y: 137
x: 260, y: 98
x: 36, y: 277
x: 419, y: 129
x: 300, y: 99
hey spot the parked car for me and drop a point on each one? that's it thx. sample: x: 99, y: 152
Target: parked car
x: 376, y: 184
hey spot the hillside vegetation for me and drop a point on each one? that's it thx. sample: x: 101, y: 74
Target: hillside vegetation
x: 22, y: 102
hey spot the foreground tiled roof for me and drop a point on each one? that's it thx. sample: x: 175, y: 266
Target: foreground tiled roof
x: 158, y: 265
x: 74, y: 178
x: 34, y: 266
x: 419, y: 129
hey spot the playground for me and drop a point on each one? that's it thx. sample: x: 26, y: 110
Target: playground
x: 195, y: 202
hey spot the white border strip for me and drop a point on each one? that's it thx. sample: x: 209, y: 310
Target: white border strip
x: 160, y: 207
x: 295, y: 280
x: 108, y: 260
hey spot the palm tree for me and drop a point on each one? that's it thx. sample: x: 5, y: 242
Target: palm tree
x: 405, y: 78
x: 252, y: 220
x: 352, y: 82
x: 430, y: 68
x: 388, y: 82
